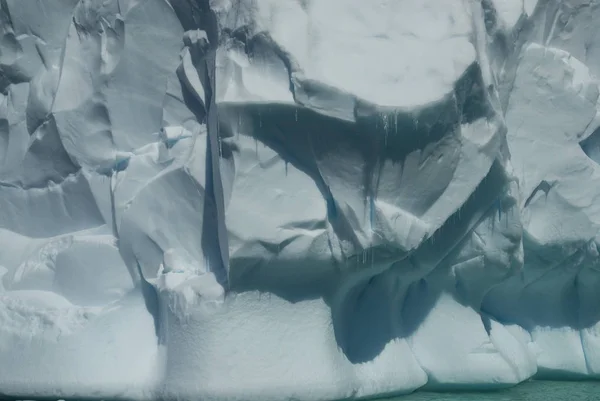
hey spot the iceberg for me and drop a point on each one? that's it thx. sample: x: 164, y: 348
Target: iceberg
x: 297, y: 199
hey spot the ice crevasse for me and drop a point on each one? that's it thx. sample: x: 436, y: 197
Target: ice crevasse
x: 297, y: 199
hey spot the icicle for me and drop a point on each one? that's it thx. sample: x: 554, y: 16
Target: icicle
x: 256, y: 147
x: 207, y: 264
x: 296, y: 114
x: 372, y: 258
x: 384, y: 117
x: 286, y: 168
x: 499, y: 207
x: 385, y: 128
x: 371, y: 212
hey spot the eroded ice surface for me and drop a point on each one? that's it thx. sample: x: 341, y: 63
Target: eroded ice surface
x: 297, y: 199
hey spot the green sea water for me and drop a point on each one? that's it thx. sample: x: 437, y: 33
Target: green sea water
x: 528, y: 391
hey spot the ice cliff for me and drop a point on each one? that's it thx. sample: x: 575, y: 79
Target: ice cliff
x: 297, y: 199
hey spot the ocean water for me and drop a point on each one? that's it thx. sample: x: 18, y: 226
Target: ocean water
x: 528, y: 391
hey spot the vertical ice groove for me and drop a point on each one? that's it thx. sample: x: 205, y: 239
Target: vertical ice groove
x: 214, y: 183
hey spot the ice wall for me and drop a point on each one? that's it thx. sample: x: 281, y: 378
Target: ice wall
x: 297, y: 199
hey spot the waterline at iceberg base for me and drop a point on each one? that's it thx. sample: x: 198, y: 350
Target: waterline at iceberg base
x: 297, y: 199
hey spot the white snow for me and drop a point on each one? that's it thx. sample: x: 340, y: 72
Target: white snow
x: 297, y: 199
x: 509, y: 11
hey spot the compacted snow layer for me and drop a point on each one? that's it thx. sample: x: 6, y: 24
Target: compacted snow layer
x: 297, y: 199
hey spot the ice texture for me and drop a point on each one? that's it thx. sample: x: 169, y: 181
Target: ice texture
x: 297, y: 199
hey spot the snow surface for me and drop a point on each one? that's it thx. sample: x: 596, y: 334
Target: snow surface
x: 297, y: 199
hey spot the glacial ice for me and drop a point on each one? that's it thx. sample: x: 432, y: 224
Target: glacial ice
x: 297, y: 199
